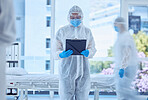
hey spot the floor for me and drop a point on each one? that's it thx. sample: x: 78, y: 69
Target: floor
x: 56, y: 97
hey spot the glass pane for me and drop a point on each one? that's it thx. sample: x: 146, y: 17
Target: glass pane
x: 138, y: 19
x: 33, y: 27
x: 102, y: 15
x: 138, y: 26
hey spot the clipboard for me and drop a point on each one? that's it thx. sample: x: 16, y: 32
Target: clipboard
x: 77, y: 45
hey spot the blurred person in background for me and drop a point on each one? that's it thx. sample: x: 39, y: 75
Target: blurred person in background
x: 126, y: 61
x: 7, y: 36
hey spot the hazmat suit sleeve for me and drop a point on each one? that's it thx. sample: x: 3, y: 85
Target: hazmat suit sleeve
x: 127, y: 49
x: 59, y: 46
x: 7, y: 22
x: 126, y: 54
x: 91, y: 45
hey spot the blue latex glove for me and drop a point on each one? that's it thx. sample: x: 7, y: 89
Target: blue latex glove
x: 116, y: 28
x: 85, y: 53
x: 65, y: 54
x: 121, y: 73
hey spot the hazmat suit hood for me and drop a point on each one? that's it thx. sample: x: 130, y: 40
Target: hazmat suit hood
x: 75, y: 9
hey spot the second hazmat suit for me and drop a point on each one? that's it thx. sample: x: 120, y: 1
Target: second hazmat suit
x: 126, y: 60
x: 74, y: 70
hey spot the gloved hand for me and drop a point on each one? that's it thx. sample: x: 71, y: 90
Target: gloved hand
x: 121, y: 73
x: 65, y: 54
x: 85, y: 53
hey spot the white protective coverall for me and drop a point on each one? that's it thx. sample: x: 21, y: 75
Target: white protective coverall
x: 126, y: 58
x: 74, y: 70
x: 7, y: 36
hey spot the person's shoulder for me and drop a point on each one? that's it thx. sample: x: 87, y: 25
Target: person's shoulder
x: 85, y: 27
x: 126, y: 35
x: 128, y: 38
x: 88, y: 30
x: 62, y: 29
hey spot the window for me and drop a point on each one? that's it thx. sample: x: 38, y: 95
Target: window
x: 48, y: 21
x: 18, y: 18
x: 47, y: 64
x: 48, y: 2
x: 47, y: 42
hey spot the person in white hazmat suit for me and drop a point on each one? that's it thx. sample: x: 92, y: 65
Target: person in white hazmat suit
x: 74, y: 69
x: 126, y: 61
x: 7, y: 36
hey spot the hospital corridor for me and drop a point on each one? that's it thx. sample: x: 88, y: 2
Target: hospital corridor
x: 73, y: 49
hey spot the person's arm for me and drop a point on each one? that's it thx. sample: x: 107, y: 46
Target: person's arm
x: 60, y: 52
x: 126, y: 54
x: 126, y: 51
x: 59, y: 45
x: 91, y: 46
x: 7, y: 22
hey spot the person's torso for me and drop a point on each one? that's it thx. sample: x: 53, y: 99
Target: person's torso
x: 125, y: 40
x: 69, y: 32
